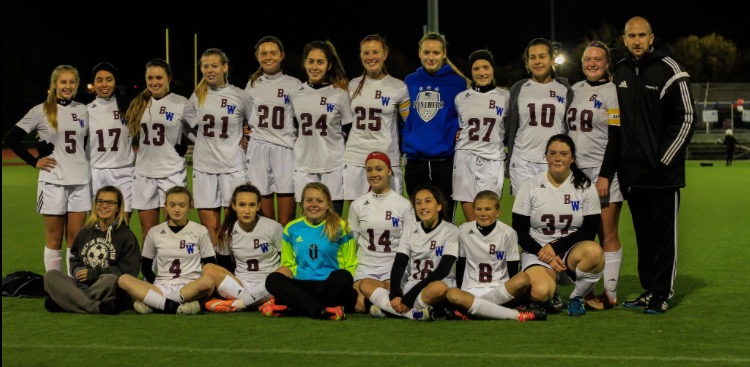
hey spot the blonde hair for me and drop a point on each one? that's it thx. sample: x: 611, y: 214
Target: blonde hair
x: 434, y: 36
x: 119, y: 217
x: 201, y: 90
x: 140, y: 103
x: 489, y: 195
x: 50, y: 104
x: 333, y: 228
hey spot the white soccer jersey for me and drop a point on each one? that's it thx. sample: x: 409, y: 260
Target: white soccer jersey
x: 425, y: 250
x: 161, y: 130
x: 271, y: 119
x: 379, y: 221
x: 555, y: 212
x: 110, y: 143
x: 481, y: 120
x: 376, y: 114
x: 487, y: 256
x: 541, y: 109
x: 320, y: 114
x: 257, y: 253
x: 72, y: 126
x: 177, y: 255
x: 594, y: 108
x: 220, y: 119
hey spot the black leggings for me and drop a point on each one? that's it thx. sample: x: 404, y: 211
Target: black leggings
x: 310, y: 297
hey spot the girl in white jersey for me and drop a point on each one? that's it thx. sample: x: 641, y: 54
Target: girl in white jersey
x: 270, y: 154
x: 429, y: 248
x: 255, y: 243
x: 158, y: 116
x: 377, y: 101
x: 323, y: 111
x: 480, y: 153
x: 594, y: 111
x: 63, y: 195
x: 218, y: 159
x: 556, y: 215
x: 180, y: 248
x: 487, y: 267
x: 110, y: 146
x: 535, y: 113
x: 377, y: 220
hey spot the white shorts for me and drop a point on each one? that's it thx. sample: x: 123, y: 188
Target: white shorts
x: 149, y: 193
x: 54, y: 199
x: 451, y: 283
x: 333, y: 180
x: 213, y: 190
x: 472, y: 174
x: 529, y: 259
x: 270, y: 167
x: 491, y: 294
x: 169, y: 288
x: 121, y: 178
x: 615, y: 195
x: 521, y: 170
x: 252, y: 284
x: 355, y: 181
x: 382, y: 273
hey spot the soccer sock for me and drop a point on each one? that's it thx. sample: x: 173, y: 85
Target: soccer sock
x: 612, y: 264
x: 252, y: 297
x: 381, y: 299
x: 68, y: 256
x: 229, y: 288
x: 585, y: 282
x: 488, y: 310
x: 155, y: 300
x: 52, y: 259
x: 498, y: 296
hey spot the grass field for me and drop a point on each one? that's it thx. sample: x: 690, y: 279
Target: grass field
x: 707, y: 324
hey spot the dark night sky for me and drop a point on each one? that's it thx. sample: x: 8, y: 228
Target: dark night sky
x: 36, y: 38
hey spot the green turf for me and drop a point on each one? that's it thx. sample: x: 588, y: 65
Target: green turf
x: 707, y: 325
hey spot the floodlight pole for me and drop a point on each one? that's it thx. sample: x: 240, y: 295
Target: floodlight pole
x: 432, y: 16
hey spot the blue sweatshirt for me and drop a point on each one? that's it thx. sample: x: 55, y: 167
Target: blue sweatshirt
x: 430, y: 128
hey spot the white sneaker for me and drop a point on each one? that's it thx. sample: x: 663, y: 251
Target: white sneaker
x: 142, y: 308
x: 423, y: 314
x: 189, y: 308
x: 376, y: 312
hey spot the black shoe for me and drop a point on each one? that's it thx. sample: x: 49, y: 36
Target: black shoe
x: 108, y: 307
x: 641, y: 301
x: 453, y: 314
x: 51, y: 305
x: 657, y: 305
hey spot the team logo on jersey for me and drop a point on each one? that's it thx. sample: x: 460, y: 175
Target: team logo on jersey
x: 262, y: 246
x: 623, y: 84
x: 574, y: 204
x: 329, y: 106
x: 439, y: 250
x: 597, y: 103
x: 471, y: 231
x: 168, y: 115
x: 299, y: 239
x: 75, y: 118
x: 433, y: 244
x: 98, y: 252
x: 190, y: 247
x: 500, y: 255
x: 385, y: 101
x: 163, y: 232
x: 428, y: 103
x: 230, y: 107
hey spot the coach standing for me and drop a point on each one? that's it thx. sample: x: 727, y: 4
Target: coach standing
x: 657, y: 123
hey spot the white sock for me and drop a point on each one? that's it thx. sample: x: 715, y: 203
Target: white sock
x: 381, y: 298
x: 585, y: 282
x: 229, y: 288
x: 155, y: 300
x: 498, y: 296
x: 488, y: 310
x: 254, y: 296
x: 612, y: 264
x: 68, y: 256
x: 52, y: 259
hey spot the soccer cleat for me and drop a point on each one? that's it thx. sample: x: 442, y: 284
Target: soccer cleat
x: 189, y: 308
x: 641, y: 301
x: 575, y: 306
x: 532, y: 315
x: 220, y: 305
x: 423, y: 314
x: 656, y: 305
x: 271, y: 309
x: 556, y: 302
x: 454, y: 314
x: 376, y: 312
x: 592, y: 302
x: 142, y: 308
x: 336, y: 313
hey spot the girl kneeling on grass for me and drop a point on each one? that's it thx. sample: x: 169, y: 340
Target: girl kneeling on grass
x: 255, y: 243
x: 318, y: 260
x: 180, y: 247
x: 429, y: 248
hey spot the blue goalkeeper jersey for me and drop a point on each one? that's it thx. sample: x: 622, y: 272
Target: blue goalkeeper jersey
x: 311, y: 255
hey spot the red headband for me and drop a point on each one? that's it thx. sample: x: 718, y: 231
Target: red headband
x: 379, y: 155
